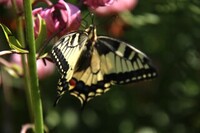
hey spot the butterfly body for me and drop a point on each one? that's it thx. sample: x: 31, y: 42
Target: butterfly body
x: 90, y: 64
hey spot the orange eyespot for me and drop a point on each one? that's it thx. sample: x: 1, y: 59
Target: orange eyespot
x: 72, y: 82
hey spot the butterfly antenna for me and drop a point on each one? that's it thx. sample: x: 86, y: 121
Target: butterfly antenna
x: 85, y: 24
x: 92, y: 18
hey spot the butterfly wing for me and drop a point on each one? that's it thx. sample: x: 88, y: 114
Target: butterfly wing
x: 67, y: 50
x: 122, y: 63
x: 109, y: 62
x: 88, y: 79
x: 65, y: 53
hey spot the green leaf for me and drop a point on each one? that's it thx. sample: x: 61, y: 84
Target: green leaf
x: 14, y: 70
x: 12, y: 41
x: 43, y: 56
x: 139, y: 20
x: 42, y: 33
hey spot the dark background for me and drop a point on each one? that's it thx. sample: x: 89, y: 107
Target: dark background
x: 168, y: 31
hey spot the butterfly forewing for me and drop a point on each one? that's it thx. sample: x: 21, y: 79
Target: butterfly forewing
x: 67, y: 51
x: 122, y: 63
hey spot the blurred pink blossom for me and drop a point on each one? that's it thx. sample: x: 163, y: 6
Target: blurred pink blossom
x: 42, y: 69
x: 8, y: 3
x: 62, y: 15
x: 116, y: 7
x: 97, y: 3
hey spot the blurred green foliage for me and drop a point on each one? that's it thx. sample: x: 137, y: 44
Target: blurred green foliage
x: 169, y: 32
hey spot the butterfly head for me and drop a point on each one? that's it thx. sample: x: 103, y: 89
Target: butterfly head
x: 91, y: 31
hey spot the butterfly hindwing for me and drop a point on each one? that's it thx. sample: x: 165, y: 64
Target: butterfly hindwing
x: 88, y: 80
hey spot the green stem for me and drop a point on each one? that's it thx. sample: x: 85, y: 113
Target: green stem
x: 34, y: 85
x: 20, y: 34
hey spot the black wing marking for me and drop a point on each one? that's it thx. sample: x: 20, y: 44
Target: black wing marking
x: 67, y: 50
x: 122, y: 63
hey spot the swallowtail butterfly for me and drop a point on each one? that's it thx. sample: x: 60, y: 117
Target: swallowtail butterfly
x: 90, y: 64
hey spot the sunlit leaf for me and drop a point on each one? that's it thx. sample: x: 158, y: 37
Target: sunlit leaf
x: 12, y: 41
x: 42, y: 33
x: 13, y: 69
x: 43, y: 56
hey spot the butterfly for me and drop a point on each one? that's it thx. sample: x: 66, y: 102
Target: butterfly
x: 89, y: 64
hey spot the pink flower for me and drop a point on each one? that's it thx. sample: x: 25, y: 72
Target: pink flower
x: 42, y: 69
x: 116, y: 7
x: 59, y: 16
x: 96, y: 3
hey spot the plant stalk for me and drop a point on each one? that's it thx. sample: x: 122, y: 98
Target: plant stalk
x: 32, y: 69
